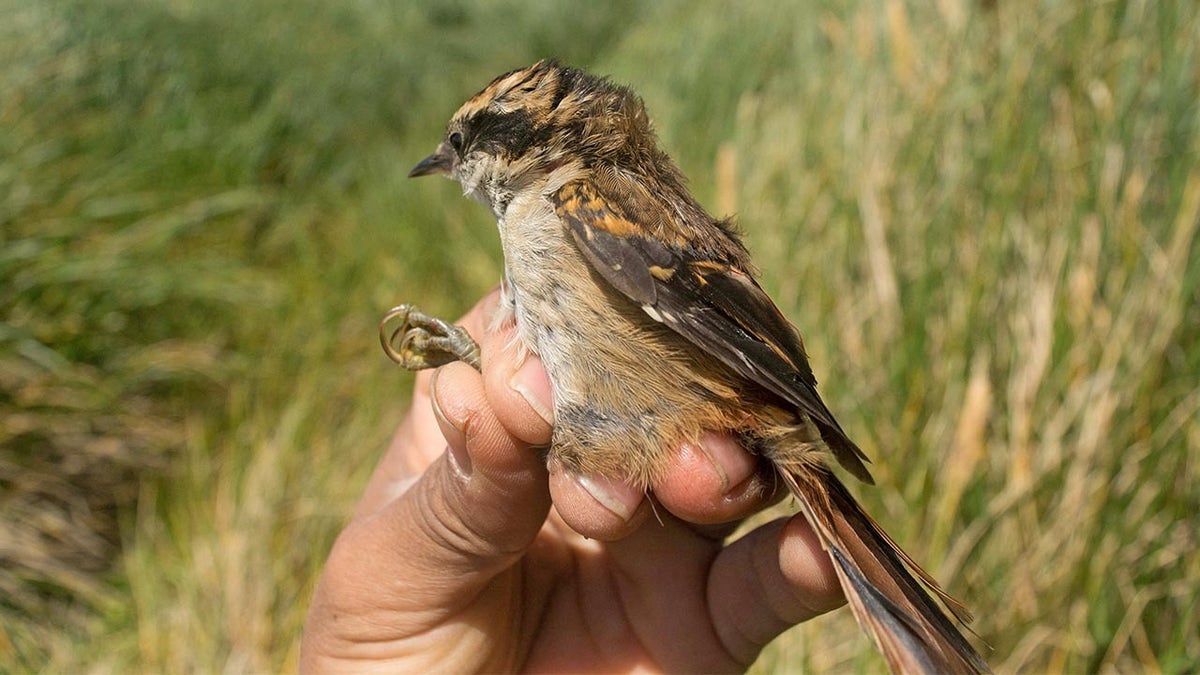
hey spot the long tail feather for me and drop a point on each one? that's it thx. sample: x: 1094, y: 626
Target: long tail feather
x: 909, y: 627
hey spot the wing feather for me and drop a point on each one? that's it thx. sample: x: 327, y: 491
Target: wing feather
x: 714, y: 303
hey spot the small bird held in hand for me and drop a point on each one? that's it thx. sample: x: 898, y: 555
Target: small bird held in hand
x: 645, y: 312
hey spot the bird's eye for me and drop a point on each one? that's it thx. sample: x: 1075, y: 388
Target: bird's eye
x: 456, y: 141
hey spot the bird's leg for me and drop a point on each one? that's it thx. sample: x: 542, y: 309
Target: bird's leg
x: 422, y: 341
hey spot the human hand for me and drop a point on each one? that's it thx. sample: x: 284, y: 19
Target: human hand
x: 468, y: 553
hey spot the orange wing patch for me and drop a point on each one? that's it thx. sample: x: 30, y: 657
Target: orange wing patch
x: 584, y: 203
x: 663, y: 274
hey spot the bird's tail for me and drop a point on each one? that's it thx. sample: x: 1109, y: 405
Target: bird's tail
x: 909, y: 627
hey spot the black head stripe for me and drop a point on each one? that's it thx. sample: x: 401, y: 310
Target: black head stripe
x: 568, y: 79
x: 508, y: 134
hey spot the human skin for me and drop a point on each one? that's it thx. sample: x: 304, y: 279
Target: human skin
x: 468, y: 553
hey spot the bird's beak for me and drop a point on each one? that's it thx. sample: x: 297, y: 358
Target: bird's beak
x: 439, y: 162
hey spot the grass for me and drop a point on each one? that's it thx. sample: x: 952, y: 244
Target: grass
x: 983, y: 220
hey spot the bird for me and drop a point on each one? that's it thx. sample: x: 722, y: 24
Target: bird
x: 653, y: 329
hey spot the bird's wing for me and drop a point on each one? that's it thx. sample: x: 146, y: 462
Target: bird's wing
x: 711, y: 302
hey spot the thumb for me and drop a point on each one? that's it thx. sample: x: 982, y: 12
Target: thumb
x: 402, y: 570
x: 487, y: 497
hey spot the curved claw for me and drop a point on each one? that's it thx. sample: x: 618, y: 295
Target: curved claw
x: 425, y: 341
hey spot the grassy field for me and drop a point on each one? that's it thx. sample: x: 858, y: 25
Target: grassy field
x: 983, y: 219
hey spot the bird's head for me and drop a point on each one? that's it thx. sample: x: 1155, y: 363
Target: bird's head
x: 530, y: 122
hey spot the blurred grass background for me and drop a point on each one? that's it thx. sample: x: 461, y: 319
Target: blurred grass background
x: 982, y: 216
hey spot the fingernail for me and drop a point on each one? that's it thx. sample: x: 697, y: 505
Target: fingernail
x: 456, y: 447
x: 531, y: 382
x: 621, y: 498
x: 729, y: 460
x: 437, y: 407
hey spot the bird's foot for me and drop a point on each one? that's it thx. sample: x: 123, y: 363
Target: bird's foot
x: 422, y: 341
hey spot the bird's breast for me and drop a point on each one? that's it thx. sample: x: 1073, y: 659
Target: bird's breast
x: 627, y: 390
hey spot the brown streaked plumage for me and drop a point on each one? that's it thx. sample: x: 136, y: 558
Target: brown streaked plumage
x: 646, y: 313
